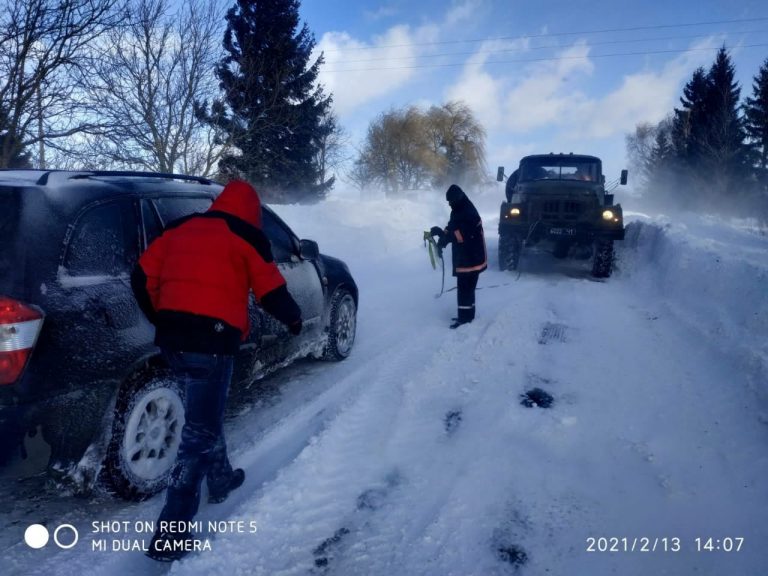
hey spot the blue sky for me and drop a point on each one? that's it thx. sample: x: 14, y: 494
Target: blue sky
x: 541, y: 76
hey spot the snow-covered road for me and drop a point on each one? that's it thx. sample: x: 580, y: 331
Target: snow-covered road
x: 415, y: 456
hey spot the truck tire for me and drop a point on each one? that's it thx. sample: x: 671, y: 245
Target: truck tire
x: 509, y: 252
x: 146, y: 433
x: 603, y: 260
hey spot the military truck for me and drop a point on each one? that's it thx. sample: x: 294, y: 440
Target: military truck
x: 560, y: 201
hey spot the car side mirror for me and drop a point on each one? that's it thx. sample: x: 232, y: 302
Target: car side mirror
x: 609, y: 199
x: 309, y: 250
x: 624, y: 174
x: 500, y: 174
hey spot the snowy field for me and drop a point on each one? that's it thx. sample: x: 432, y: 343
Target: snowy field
x: 416, y: 457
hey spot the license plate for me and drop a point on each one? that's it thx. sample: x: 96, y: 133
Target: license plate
x: 562, y: 231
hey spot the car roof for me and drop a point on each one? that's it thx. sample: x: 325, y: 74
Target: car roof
x: 71, y: 189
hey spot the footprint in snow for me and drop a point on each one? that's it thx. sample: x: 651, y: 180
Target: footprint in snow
x: 537, y: 397
x: 452, y: 421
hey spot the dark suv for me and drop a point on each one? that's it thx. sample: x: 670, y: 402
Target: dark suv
x: 77, y: 360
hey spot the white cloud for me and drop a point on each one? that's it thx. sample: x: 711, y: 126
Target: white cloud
x: 546, y: 94
x: 646, y: 96
x: 386, y: 11
x: 549, y: 94
x: 356, y: 72
x: 462, y: 12
x: 479, y: 88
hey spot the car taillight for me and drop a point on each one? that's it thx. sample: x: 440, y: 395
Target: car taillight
x: 19, y: 327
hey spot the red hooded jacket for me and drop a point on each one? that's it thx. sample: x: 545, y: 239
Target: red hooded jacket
x: 193, y: 281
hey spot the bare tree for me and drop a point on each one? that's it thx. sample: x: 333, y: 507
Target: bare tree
x: 147, y: 82
x: 43, y: 49
x: 331, y: 146
x: 458, y: 139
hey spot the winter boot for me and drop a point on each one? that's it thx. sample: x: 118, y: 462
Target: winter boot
x: 457, y: 323
x: 235, y: 481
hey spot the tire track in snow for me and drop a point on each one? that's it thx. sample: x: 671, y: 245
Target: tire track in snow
x: 415, y: 515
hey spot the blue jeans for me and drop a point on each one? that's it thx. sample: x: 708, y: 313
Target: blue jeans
x: 202, y: 452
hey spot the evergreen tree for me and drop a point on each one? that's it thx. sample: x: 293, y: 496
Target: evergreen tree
x: 689, y: 125
x: 724, y: 146
x: 659, y: 165
x: 273, y: 107
x: 756, y: 114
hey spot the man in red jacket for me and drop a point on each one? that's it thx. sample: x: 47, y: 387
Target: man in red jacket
x: 193, y: 284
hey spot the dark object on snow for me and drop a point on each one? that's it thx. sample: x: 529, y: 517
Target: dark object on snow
x: 452, y: 421
x: 465, y: 234
x: 512, y: 554
x: 88, y: 372
x: 372, y: 499
x: 537, y: 397
x: 560, y: 200
x: 326, y: 547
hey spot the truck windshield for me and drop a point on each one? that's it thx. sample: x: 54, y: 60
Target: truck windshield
x: 545, y: 169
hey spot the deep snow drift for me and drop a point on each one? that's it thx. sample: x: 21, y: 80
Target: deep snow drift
x: 416, y: 456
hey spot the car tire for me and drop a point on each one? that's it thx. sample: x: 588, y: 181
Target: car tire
x: 342, y: 326
x: 146, y: 433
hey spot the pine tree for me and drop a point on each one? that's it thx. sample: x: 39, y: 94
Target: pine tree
x: 724, y: 150
x: 274, y: 106
x: 661, y: 182
x: 756, y: 115
x: 689, y: 124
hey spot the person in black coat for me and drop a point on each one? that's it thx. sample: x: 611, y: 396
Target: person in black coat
x: 465, y: 234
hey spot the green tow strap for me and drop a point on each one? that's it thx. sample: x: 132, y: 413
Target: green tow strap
x: 429, y: 241
x: 434, y: 249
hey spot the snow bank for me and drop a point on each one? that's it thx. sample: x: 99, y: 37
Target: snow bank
x: 712, y: 276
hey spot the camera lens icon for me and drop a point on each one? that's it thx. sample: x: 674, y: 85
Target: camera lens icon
x: 65, y: 536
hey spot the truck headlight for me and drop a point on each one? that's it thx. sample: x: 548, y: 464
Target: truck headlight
x: 608, y: 215
x: 514, y: 212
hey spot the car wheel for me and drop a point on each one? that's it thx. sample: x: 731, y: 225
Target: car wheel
x: 342, y: 326
x: 146, y: 433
